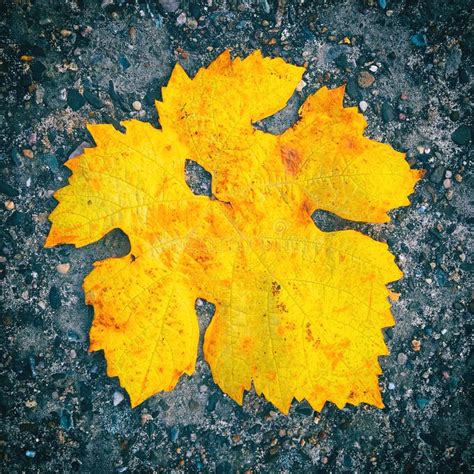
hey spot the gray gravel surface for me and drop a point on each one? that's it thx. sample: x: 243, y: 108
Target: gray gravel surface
x: 408, y: 64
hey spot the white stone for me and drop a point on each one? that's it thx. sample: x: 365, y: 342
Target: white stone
x: 181, y: 20
x: 363, y: 105
x: 117, y: 398
x: 300, y: 86
x: 63, y: 268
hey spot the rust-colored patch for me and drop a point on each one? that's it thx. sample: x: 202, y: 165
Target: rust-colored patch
x: 283, y: 329
x: 271, y: 375
x: 305, y: 211
x: 275, y: 288
x: 291, y: 159
x: 352, y: 144
x: 247, y: 344
x: 306, y: 207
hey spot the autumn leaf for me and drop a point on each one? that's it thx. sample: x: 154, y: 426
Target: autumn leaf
x: 299, y: 312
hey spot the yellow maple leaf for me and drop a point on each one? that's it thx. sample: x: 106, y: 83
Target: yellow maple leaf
x: 299, y: 312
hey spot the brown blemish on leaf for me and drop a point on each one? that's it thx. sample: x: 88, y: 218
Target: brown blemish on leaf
x: 247, y: 344
x: 275, y: 288
x: 291, y: 159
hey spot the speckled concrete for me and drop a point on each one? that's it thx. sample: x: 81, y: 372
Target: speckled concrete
x: 57, y: 404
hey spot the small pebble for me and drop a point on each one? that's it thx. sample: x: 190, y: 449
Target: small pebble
x: 9, y: 205
x: 300, y: 86
x: 181, y: 20
x: 65, y: 420
x: 30, y: 453
x: 447, y: 183
x: 365, y: 79
x: 341, y: 61
x: 169, y: 6
x: 75, y: 99
x: 422, y: 402
x: 353, y: 90
x: 402, y: 358
x: 436, y: 175
x: 388, y: 112
x: 27, y: 153
x: 391, y: 386
x: 132, y: 33
x: 174, y: 434
x: 79, y: 150
x: 373, y: 68
x: 193, y: 405
x: 461, y: 135
x: 192, y: 23
x: 54, y: 298
x: 93, y: 99
x: 73, y: 336
x: 448, y: 174
x: 137, y: 105
x: 37, y: 70
x: 63, y: 268
x: 419, y: 40
x: 363, y: 105
x: 145, y: 418
x: 124, y: 62
x: 118, y: 398
x: 416, y: 345
x: 39, y: 94
x: 8, y: 190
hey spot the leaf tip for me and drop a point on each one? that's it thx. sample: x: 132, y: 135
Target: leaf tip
x: 338, y: 93
x: 49, y: 241
x: 418, y: 174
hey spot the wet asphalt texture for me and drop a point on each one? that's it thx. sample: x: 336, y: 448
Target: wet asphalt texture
x: 407, y: 65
